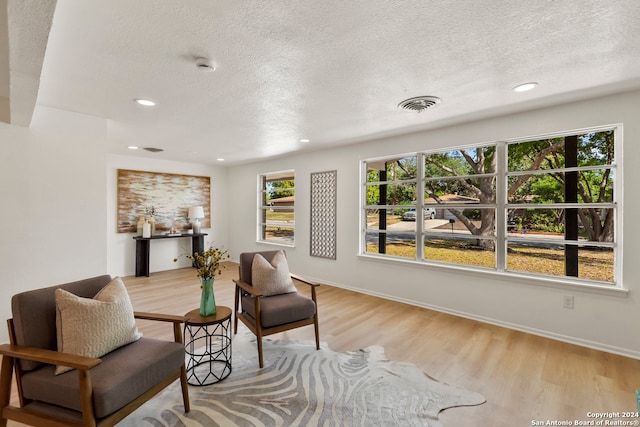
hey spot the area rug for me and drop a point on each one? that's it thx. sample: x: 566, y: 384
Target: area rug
x: 302, y: 386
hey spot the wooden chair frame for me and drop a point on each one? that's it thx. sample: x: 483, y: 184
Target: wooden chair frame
x: 11, y: 353
x: 256, y: 327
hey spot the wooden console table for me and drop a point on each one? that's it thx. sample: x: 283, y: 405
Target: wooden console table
x: 143, y: 248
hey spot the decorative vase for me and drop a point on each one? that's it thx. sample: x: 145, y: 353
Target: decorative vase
x: 207, y: 299
x: 152, y: 223
x: 139, y: 226
x: 146, y: 230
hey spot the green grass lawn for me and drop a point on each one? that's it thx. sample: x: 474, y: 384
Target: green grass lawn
x: 280, y: 216
x: 593, y: 264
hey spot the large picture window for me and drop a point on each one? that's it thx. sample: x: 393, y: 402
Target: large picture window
x: 538, y: 207
x: 276, y: 203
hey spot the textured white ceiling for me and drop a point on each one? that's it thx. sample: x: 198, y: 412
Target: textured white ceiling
x: 332, y: 71
x: 23, y: 46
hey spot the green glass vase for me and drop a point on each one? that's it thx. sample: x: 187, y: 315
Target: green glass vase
x: 207, y: 299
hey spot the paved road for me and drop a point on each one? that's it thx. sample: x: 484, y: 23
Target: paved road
x: 405, y: 231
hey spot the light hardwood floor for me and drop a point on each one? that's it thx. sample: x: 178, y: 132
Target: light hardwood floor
x: 523, y: 377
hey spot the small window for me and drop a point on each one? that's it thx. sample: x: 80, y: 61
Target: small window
x: 276, y: 208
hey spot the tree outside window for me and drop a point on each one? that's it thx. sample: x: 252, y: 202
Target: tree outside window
x: 561, y: 207
x: 543, y: 206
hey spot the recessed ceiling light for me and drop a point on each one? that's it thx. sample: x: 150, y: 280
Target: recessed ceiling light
x: 525, y: 87
x: 305, y: 140
x: 133, y: 147
x: 220, y: 160
x: 145, y: 102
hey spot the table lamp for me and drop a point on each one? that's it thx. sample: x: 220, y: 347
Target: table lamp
x: 196, y: 213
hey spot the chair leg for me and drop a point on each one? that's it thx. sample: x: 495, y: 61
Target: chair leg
x: 185, y: 389
x: 235, y: 311
x: 235, y: 323
x: 260, y: 359
x: 258, y: 327
x: 315, y: 325
x: 315, y: 317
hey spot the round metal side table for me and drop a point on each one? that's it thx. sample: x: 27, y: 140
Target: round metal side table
x: 207, y: 344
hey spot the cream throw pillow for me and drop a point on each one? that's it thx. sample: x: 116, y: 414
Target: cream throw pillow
x: 271, y: 278
x: 94, y: 327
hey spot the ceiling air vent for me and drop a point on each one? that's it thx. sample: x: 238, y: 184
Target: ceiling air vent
x: 153, y: 149
x: 419, y: 103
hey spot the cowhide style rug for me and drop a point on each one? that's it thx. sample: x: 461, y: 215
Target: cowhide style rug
x: 300, y: 386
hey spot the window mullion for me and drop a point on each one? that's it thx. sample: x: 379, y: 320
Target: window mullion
x: 420, y: 207
x: 568, y: 205
x: 560, y: 170
x: 363, y: 211
x: 501, y: 201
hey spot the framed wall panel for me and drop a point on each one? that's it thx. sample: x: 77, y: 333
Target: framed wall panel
x: 169, y: 195
x: 324, y: 187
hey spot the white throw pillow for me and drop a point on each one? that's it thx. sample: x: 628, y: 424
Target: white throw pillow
x: 271, y: 278
x: 93, y: 327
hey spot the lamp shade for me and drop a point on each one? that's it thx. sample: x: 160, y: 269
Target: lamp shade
x: 196, y: 212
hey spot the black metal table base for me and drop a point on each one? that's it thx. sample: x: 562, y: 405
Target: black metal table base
x: 208, y: 352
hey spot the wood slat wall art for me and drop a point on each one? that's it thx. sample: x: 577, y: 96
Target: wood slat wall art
x: 170, y: 195
x: 324, y: 186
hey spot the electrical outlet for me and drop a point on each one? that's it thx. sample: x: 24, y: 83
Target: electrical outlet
x: 567, y: 301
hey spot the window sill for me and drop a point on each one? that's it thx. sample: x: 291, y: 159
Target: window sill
x: 267, y: 242
x: 557, y: 283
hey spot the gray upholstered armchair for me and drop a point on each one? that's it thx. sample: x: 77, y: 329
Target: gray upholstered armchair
x: 99, y: 391
x: 266, y: 310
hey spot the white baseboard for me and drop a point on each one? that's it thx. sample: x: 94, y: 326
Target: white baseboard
x: 546, y: 334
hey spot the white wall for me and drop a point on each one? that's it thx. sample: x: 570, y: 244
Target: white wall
x: 600, y: 321
x: 58, y: 205
x: 53, y: 205
x: 121, y: 246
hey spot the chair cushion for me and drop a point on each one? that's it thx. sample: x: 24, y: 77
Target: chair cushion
x: 123, y: 375
x: 34, y: 313
x: 93, y: 327
x: 272, y: 278
x: 280, y: 309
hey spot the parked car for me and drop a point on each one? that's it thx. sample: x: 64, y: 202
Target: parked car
x: 410, y: 215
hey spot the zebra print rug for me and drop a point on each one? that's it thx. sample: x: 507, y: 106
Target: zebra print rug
x: 300, y: 386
